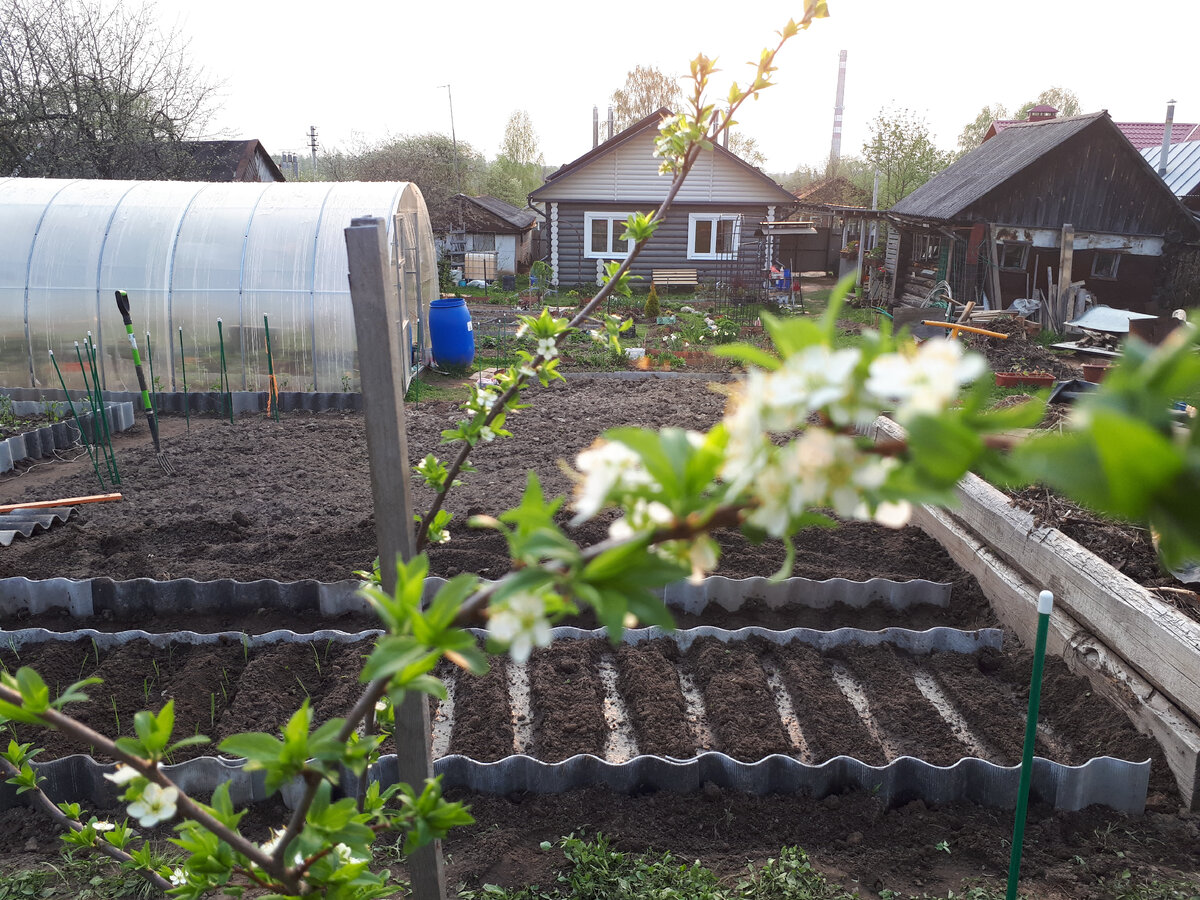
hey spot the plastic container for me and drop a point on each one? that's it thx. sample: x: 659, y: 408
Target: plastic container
x: 451, y: 333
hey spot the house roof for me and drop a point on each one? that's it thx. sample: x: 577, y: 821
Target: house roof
x: 228, y: 160
x: 647, y: 123
x: 989, y: 165
x: 1183, y: 166
x: 1140, y: 134
x: 837, y: 191
x: 517, y: 218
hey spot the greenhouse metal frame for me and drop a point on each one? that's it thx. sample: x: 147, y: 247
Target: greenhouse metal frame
x: 191, y: 253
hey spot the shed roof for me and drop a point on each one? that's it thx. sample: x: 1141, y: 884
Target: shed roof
x: 516, y: 217
x: 1183, y: 166
x: 1140, y: 134
x: 228, y: 160
x: 989, y: 165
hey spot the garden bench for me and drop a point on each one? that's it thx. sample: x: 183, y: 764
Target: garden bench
x: 670, y: 277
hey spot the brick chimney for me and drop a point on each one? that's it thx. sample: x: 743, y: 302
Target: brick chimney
x: 1042, y: 113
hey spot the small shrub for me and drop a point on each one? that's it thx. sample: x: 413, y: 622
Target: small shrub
x: 652, y: 309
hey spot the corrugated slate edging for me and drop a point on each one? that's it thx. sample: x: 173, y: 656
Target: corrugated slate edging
x: 43, y: 442
x: 144, y: 596
x: 1110, y: 782
x: 942, y: 640
x: 24, y: 522
x: 1115, y: 783
x: 212, y: 401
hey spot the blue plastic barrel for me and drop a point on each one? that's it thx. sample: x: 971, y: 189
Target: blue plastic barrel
x: 450, y: 332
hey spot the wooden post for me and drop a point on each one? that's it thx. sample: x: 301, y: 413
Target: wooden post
x: 377, y: 324
x: 997, y: 300
x: 1066, y: 255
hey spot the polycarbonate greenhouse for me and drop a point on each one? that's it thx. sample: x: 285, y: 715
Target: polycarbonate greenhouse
x: 187, y: 254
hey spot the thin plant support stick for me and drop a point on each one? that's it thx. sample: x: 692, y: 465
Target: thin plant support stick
x: 94, y: 359
x: 96, y: 404
x: 187, y: 405
x: 78, y: 424
x: 1044, y: 608
x: 273, y: 387
x: 150, y: 363
x: 226, y: 393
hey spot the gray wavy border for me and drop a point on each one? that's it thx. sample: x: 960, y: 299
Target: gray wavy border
x: 944, y: 640
x: 1118, y: 784
x: 145, y: 596
x: 24, y: 522
x: 43, y: 442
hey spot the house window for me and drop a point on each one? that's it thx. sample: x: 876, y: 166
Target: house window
x: 484, y: 242
x: 602, y: 235
x: 1104, y: 264
x: 1013, y: 256
x: 713, y: 236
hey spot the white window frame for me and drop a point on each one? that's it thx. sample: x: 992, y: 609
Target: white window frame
x: 693, y: 218
x: 616, y: 227
x: 1005, y: 247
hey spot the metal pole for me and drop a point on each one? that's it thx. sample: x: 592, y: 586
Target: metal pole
x: 453, y: 139
x: 1044, y: 608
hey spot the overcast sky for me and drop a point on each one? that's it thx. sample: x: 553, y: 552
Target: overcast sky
x: 374, y: 68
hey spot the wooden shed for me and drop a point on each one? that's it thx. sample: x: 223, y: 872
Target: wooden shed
x: 992, y: 223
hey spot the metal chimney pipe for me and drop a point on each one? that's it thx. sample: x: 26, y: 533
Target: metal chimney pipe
x: 835, y: 150
x: 725, y: 139
x: 595, y: 127
x: 610, y: 123
x: 1166, y: 145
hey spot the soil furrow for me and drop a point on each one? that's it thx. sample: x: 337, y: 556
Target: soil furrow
x: 649, y: 683
x: 483, y: 727
x: 568, y: 700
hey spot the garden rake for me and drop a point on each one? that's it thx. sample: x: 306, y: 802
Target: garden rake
x: 151, y: 416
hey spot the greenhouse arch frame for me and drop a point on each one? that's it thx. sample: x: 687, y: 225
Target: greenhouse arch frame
x: 188, y: 254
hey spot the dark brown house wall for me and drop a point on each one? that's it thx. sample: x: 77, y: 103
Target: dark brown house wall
x: 1131, y: 289
x: 1089, y: 181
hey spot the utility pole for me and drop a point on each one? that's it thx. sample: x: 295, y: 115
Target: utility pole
x: 453, y: 139
x: 312, y: 142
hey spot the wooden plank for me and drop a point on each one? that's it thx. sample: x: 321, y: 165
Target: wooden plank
x: 1065, y: 259
x: 378, y: 326
x: 1157, y: 640
x: 1015, y: 600
x: 66, y: 501
x: 994, y: 269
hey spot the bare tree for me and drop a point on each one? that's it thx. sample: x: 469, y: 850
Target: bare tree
x: 646, y: 89
x: 429, y: 161
x: 746, y: 147
x: 95, y: 92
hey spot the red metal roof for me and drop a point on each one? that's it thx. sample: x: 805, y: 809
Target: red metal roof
x: 1140, y: 134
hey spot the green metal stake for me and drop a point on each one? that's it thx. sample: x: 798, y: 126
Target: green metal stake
x: 78, y: 424
x: 150, y: 363
x: 274, y: 390
x: 98, y: 411
x: 1044, y: 607
x: 187, y: 412
x: 227, y: 394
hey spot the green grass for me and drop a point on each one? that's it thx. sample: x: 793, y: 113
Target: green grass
x: 425, y: 389
x: 82, y: 877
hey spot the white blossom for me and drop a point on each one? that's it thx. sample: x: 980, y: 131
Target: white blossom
x: 547, y: 347
x: 486, y: 434
x: 123, y: 775
x: 178, y: 877
x: 102, y: 826
x: 521, y: 623
x: 644, y: 515
x: 924, y: 382
x: 157, y: 804
x: 605, y: 466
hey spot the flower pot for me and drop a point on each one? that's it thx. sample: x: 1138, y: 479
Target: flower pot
x: 1025, y: 379
x: 1095, y: 372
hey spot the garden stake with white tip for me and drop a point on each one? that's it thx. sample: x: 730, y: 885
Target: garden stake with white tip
x: 226, y: 391
x: 150, y: 362
x: 78, y: 424
x: 1045, y: 606
x: 151, y: 415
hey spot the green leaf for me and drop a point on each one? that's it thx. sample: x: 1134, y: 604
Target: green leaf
x: 253, y: 745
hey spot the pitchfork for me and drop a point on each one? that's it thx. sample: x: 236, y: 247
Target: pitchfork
x: 151, y: 417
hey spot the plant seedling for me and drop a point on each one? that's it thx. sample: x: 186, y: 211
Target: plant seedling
x: 116, y: 716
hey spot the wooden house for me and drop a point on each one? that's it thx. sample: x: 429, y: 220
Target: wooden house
x: 714, y: 228
x: 992, y: 223
x: 485, y: 224
x: 230, y: 161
